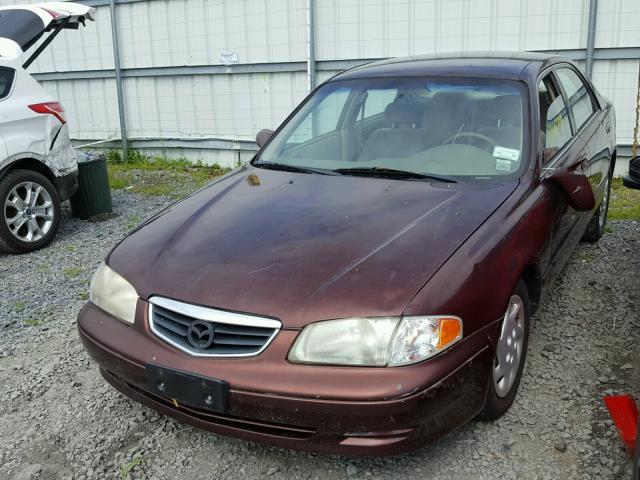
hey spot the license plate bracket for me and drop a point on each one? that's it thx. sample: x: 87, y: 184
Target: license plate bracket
x: 188, y: 389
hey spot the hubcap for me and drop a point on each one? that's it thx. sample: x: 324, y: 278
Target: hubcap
x: 509, y: 348
x: 28, y: 211
x: 604, y: 205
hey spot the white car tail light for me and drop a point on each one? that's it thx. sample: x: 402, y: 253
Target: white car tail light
x: 50, y: 108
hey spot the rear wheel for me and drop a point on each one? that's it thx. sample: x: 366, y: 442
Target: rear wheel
x: 511, y: 351
x: 595, y: 228
x: 30, y: 211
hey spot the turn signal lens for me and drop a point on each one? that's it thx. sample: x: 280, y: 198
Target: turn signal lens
x: 449, y: 331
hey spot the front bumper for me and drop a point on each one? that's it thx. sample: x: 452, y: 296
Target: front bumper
x: 315, y: 408
x: 67, y: 185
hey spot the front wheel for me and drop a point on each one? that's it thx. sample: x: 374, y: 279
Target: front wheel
x: 30, y: 211
x: 511, y: 351
x: 595, y: 228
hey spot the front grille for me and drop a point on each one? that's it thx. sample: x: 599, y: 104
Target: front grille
x: 207, y: 332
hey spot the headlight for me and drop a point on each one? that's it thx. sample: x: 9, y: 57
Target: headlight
x: 375, y: 342
x: 113, y: 294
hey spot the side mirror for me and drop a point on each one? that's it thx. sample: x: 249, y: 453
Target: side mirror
x: 577, y: 187
x: 263, y: 136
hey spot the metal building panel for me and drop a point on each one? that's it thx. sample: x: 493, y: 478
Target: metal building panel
x: 91, y: 106
x: 618, y: 81
x: 618, y: 24
x: 196, y: 32
x: 232, y: 106
x: 373, y: 29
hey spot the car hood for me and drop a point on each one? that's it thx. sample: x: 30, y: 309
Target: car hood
x: 304, y: 247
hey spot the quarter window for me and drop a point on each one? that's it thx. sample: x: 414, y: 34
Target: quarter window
x: 578, y: 96
x: 6, y: 80
x: 554, y: 118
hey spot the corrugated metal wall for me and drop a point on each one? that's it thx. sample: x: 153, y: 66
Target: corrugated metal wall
x: 165, y: 44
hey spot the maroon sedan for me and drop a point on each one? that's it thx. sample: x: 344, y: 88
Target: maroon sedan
x: 365, y: 285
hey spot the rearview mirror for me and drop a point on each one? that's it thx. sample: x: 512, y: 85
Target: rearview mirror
x: 263, y: 136
x: 577, y: 187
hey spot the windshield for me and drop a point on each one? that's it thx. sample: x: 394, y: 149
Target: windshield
x: 469, y: 129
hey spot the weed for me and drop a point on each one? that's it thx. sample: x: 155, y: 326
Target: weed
x: 586, y: 256
x: 133, y: 221
x: 159, y: 176
x: 624, y: 203
x: 19, y: 306
x: 130, y: 465
x: 72, y: 272
x: 33, y: 322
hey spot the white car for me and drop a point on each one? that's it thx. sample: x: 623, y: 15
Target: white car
x: 38, y: 167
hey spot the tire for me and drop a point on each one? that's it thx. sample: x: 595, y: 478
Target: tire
x: 501, y: 393
x: 596, y: 226
x: 29, y: 211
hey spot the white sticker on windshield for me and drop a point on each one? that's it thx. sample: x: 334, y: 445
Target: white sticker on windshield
x: 506, y: 153
x: 503, y: 165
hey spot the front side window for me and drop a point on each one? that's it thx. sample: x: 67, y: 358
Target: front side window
x: 465, y: 129
x: 554, y: 118
x: 6, y: 81
x: 578, y: 96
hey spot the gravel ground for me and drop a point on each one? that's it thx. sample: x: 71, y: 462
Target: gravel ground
x: 59, y: 419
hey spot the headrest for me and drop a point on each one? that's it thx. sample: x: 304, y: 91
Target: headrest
x: 507, y: 107
x: 403, y: 110
x: 447, y: 100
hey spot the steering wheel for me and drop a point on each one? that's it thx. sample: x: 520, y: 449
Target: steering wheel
x: 473, y: 136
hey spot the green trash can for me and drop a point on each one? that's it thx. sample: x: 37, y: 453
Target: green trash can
x: 94, y: 195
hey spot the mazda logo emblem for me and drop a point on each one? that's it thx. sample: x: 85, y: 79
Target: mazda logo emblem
x: 200, y: 334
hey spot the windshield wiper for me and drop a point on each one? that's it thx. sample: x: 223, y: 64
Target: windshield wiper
x: 292, y: 168
x: 393, y: 173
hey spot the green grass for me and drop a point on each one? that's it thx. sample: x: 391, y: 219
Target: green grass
x: 130, y: 465
x: 19, y: 306
x: 133, y: 221
x: 72, y: 272
x: 158, y: 176
x: 624, y: 203
x: 33, y: 322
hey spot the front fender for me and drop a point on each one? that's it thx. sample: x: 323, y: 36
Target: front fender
x: 477, y: 281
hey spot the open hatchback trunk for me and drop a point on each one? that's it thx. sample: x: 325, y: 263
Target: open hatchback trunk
x: 21, y: 26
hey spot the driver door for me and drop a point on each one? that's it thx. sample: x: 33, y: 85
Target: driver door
x: 561, y: 148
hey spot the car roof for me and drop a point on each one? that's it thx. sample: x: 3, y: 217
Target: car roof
x: 486, y: 64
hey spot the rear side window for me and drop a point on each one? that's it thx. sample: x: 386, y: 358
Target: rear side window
x: 554, y: 118
x: 6, y: 81
x: 578, y: 96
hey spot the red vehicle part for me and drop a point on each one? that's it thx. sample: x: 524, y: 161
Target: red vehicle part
x: 624, y: 413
